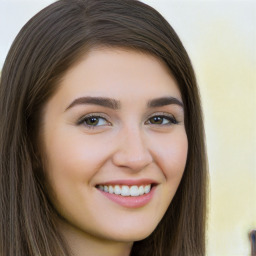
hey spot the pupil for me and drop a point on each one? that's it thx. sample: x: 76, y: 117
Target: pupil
x: 92, y: 121
x: 157, y: 120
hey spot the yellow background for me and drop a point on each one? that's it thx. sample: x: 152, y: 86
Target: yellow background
x: 220, y: 37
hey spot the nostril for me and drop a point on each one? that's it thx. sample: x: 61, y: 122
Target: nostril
x: 132, y: 150
x: 132, y: 159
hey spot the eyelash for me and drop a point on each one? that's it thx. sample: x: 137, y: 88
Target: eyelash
x: 83, y: 120
x: 171, y: 120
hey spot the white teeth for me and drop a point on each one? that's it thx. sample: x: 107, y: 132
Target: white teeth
x: 141, y: 190
x: 134, y: 191
x: 147, y: 189
x: 117, y: 190
x: 126, y: 190
x: 110, y: 190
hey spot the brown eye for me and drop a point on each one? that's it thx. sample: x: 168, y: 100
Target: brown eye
x: 162, y: 120
x: 156, y: 120
x: 92, y: 121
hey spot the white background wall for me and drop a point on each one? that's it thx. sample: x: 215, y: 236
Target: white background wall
x: 220, y: 37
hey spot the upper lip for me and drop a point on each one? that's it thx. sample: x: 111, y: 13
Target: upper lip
x: 129, y: 182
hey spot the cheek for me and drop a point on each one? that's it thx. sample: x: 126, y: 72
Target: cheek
x: 74, y: 157
x: 71, y: 162
x: 172, y: 161
x: 172, y: 155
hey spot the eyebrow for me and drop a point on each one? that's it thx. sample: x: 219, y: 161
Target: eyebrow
x: 160, y: 102
x: 105, y: 102
x: 115, y: 104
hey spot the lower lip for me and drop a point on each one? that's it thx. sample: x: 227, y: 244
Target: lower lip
x: 131, y: 201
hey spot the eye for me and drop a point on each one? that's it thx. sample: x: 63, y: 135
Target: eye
x: 93, y: 121
x: 162, y: 120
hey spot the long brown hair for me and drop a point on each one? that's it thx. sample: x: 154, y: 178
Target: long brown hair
x: 46, y: 47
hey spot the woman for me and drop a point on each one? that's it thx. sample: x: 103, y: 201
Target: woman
x: 102, y: 141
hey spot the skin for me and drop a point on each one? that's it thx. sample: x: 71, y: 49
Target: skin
x: 125, y: 144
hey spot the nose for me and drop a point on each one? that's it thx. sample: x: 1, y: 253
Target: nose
x: 132, y: 150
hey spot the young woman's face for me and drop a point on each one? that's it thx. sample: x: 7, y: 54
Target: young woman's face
x: 115, y: 125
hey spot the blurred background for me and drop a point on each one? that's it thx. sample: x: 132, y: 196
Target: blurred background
x: 220, y: 37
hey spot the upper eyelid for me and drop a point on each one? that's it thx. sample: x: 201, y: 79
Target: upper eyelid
x: 82, y: 119
x: 108, y: 118
x: 94, y: 114
x: 161, y: 114
x: 169, y: 117
x: 103, y: 115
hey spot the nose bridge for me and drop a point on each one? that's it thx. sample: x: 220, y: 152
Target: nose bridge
x: 132, y: 151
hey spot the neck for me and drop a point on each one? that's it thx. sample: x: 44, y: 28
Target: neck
x: 83, y: 244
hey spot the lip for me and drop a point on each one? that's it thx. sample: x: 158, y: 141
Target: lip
x: 130, y: 201
x: 129, y: 182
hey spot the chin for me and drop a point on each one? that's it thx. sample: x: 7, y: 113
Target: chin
x: 131, y: 235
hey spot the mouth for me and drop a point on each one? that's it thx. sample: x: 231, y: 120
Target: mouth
x: 128, y: 194
x: 125, y: 190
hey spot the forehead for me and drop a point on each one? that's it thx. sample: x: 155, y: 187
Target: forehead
x: 118, y: 73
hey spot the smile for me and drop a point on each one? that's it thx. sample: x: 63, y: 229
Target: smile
x: 129, y: 194
x: 125, y: 190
